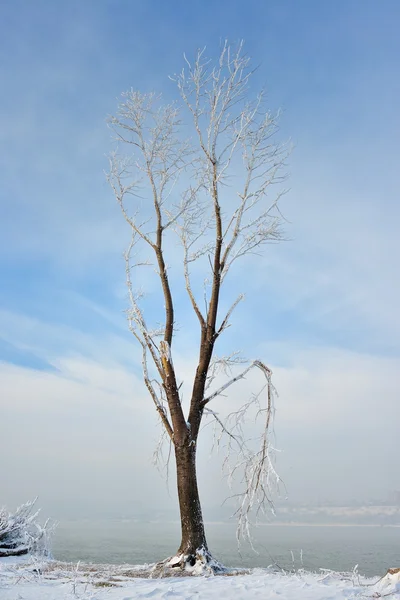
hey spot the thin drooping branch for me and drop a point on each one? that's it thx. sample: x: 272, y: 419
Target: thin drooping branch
x: 158, y: 404
x: 137, y: 326
x: 136, y: 321
x: 253, y: 458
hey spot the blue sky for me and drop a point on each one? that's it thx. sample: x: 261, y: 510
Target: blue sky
x: 321, y: 305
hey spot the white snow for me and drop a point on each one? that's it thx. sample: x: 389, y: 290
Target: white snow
x: 35, y: 580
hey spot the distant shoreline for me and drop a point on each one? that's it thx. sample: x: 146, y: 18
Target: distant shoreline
x: 210, y: 522
x: 294, y: 524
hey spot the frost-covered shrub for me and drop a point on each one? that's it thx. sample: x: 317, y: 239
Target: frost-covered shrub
x: 21, y: 533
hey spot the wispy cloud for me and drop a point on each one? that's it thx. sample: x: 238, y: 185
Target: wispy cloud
x: 91, y: 407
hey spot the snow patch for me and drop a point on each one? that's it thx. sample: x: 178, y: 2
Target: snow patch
x: 50, y: 580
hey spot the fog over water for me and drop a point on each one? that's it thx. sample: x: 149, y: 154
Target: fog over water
x: 289, y: 547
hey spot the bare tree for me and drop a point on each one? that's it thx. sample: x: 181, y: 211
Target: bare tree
x: 212, y: 191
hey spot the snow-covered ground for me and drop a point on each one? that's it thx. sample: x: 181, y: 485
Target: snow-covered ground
x: 32, y: 579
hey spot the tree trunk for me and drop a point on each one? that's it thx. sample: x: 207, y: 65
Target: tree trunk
x: 193, y: 542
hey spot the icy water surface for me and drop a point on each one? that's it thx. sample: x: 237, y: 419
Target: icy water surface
x: 374, y: 549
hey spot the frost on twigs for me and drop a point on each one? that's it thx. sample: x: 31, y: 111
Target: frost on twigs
x: 20, y: 532
x: 248, y: 462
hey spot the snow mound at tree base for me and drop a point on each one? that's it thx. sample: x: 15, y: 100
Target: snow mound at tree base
x: 51, y: 580
x: 199, y: 563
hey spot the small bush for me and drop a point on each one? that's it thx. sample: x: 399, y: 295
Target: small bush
x: 20, y: 533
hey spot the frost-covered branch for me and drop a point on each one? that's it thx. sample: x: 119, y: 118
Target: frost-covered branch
x: 223, y: 364
x: 242, y: 375
x: 250, y: 460
x: 225, y: 322
x: 150, y: 174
